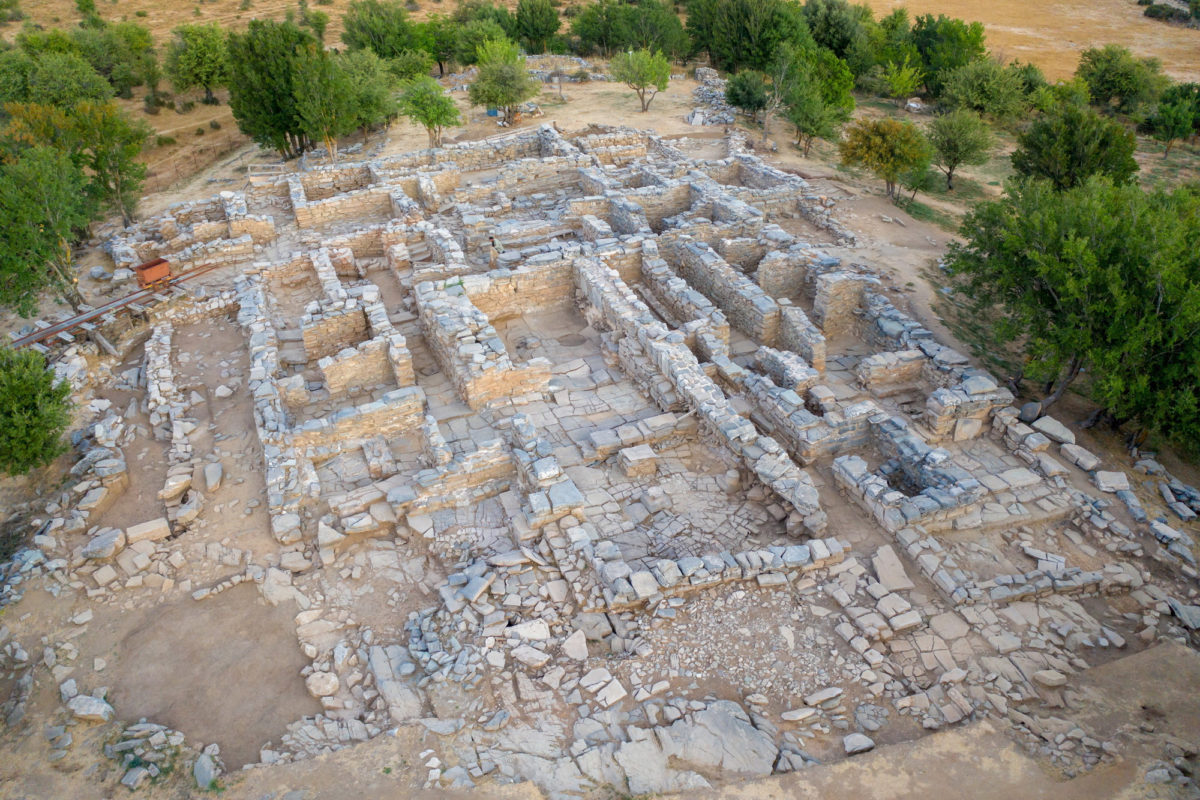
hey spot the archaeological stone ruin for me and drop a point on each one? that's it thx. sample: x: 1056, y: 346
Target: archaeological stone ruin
x: 665, y: 491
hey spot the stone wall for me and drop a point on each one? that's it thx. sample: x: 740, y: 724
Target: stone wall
x: 838, y: 296
x: 745, y: 304
x: 397, y: 411
x: 331, y: 327
x: 798, y: 334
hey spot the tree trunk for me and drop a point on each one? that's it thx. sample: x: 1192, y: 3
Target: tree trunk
x: 209, y: 98
x: 950, y: 180
x: 1072, y: 374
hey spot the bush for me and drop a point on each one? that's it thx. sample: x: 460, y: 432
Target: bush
x: 581, y: 76
x: 200, y: 131
x: 1166, y: 13
x: 214, y: 124
x: 163, y: 141
x: 34, y: 412
x: 141, y: 12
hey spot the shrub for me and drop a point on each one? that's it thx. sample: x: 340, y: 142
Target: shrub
x: 163, y: 141
x: 214, y: 124
x: 200, y: 131
x: 34, y: 411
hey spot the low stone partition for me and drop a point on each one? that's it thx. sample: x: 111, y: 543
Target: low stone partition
x: 746, y: 305
x: 798, y: 334
x: 964, y: 410
x: 613, y: 302
x: 838, y: 296
x: 328, y: 326
x: 469, y: 349
x: 885, y: 373
x: 656, y: 430
x: 374, y: 201
x: 542, y: 282
x: 376, y: 362
x: 682, y: 302
x: 395, y: 412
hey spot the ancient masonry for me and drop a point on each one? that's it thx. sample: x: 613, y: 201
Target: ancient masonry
x: 660, y: 402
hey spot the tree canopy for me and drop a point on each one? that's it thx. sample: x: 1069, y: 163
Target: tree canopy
x: 424, y: 102
x: 503, y: 82
x: 535, y: 22
x: 888, y: 147
x: 381, y: 26
x: 945, y: 44
x: 645, y: 72
x: 34, y: 412
x: 740, y: 34
x: 197, y: 57
x: 960, y: 137
x: 1118, y: 81
x: 262, y: 83
x: 1072, y: 143
x: 1101, y: 277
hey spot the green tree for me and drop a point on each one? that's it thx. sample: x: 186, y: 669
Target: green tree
x: 324, y: 98
x: 408, y: 65
x: 747, y: 91
x: 645, y: 72
x: 1187, y: 95
x: 1071, y: 144
x: 1103, y: 278
x: 945, y: 44
x: 603, y: 27
x: 15, y: 68
x: 471, y: 37
x: 739, y: 34
x: 261, y: 79
x: 110, y: 142
x: 960, y: 137
x: 503, y: 82
x: 1049, y: 98
x: 843, y: 29
x: 987, y: 87
x: 34, y: 412
x: 381, y: 26
x: 1118, y: 81
x: 116, y: 51
x: 198, y: 56
x: 902, y: 79
x: 1171, y: 122
x: 64, y: 79
x: 44, y: 205
x: 887, y: 147
x: 817, y: 97
x: 424, y: 102
x: 371, y: 85
x: 652, y: 25
x: 535, y: 22
x: 441, y: 34
x: 470, y: 11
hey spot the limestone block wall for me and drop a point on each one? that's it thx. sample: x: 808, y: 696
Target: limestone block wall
x: 357, y: 367
x: 745, y: 304
x: 469, y: 349
x: 260, y: 229
x: 627, y: 217
x: 838, y: 296
x: 613, y: 301
x: 397, y: 411
x: 682, y: 302
x: 373, y: 201
x: 798, y: 334
x: 744, y: 251
x: 788, y: 370
x: 659, y: 202
x: 532, y: 287
x: 320, y: 183
x: 977, y: 398
x: 332, y: 327
x: 882, y: 372
x: 808, y: 436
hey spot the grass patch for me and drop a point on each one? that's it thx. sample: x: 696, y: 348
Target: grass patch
x: 919, y: 211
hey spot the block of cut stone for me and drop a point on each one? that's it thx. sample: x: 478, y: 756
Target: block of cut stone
x: 638, y: 461
x: 153, y: 531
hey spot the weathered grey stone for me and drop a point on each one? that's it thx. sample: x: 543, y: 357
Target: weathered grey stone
x: 87, y: 707
x: 720, y: 737
x: 855, y: 743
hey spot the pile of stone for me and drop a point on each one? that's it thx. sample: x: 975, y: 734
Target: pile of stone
x: 710, y: 97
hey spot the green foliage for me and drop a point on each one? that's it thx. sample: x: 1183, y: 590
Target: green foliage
x: 645, y: 72
x: 1118, y: 81
x: 1104, y: 277
x: 902, y: 79
x: 945, y: 44
x: 843, y: 29
x: 739, y: 34
x: 408, y: 65
x: 441, y: 37
x: 1050, y: 97
x: 814, y: 88
x: 34, y: 412
x: 381, y: 26
x: 476, y: 10
x: 960, y: 137
x: 197, y: 57
x: 1073, y: 143
x: 986, y: 87
x: 888, y: 147
x: 64, y: 79
x: 472, y: 36
x: 609, y: 26
x: 371, y: 84
x: 1186, y: 95
x: 263, y: 63
x: 44, y: 205
x: 503, y: 82
x: 1166, y: 12
x: 116, y: 51
x: 10, y: 11
x: 1172, y: 121
x: 324, y: 98
x: 424, y: 102
x: 747, y: 91
x: 109, y: 144
x: 534, y: 23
